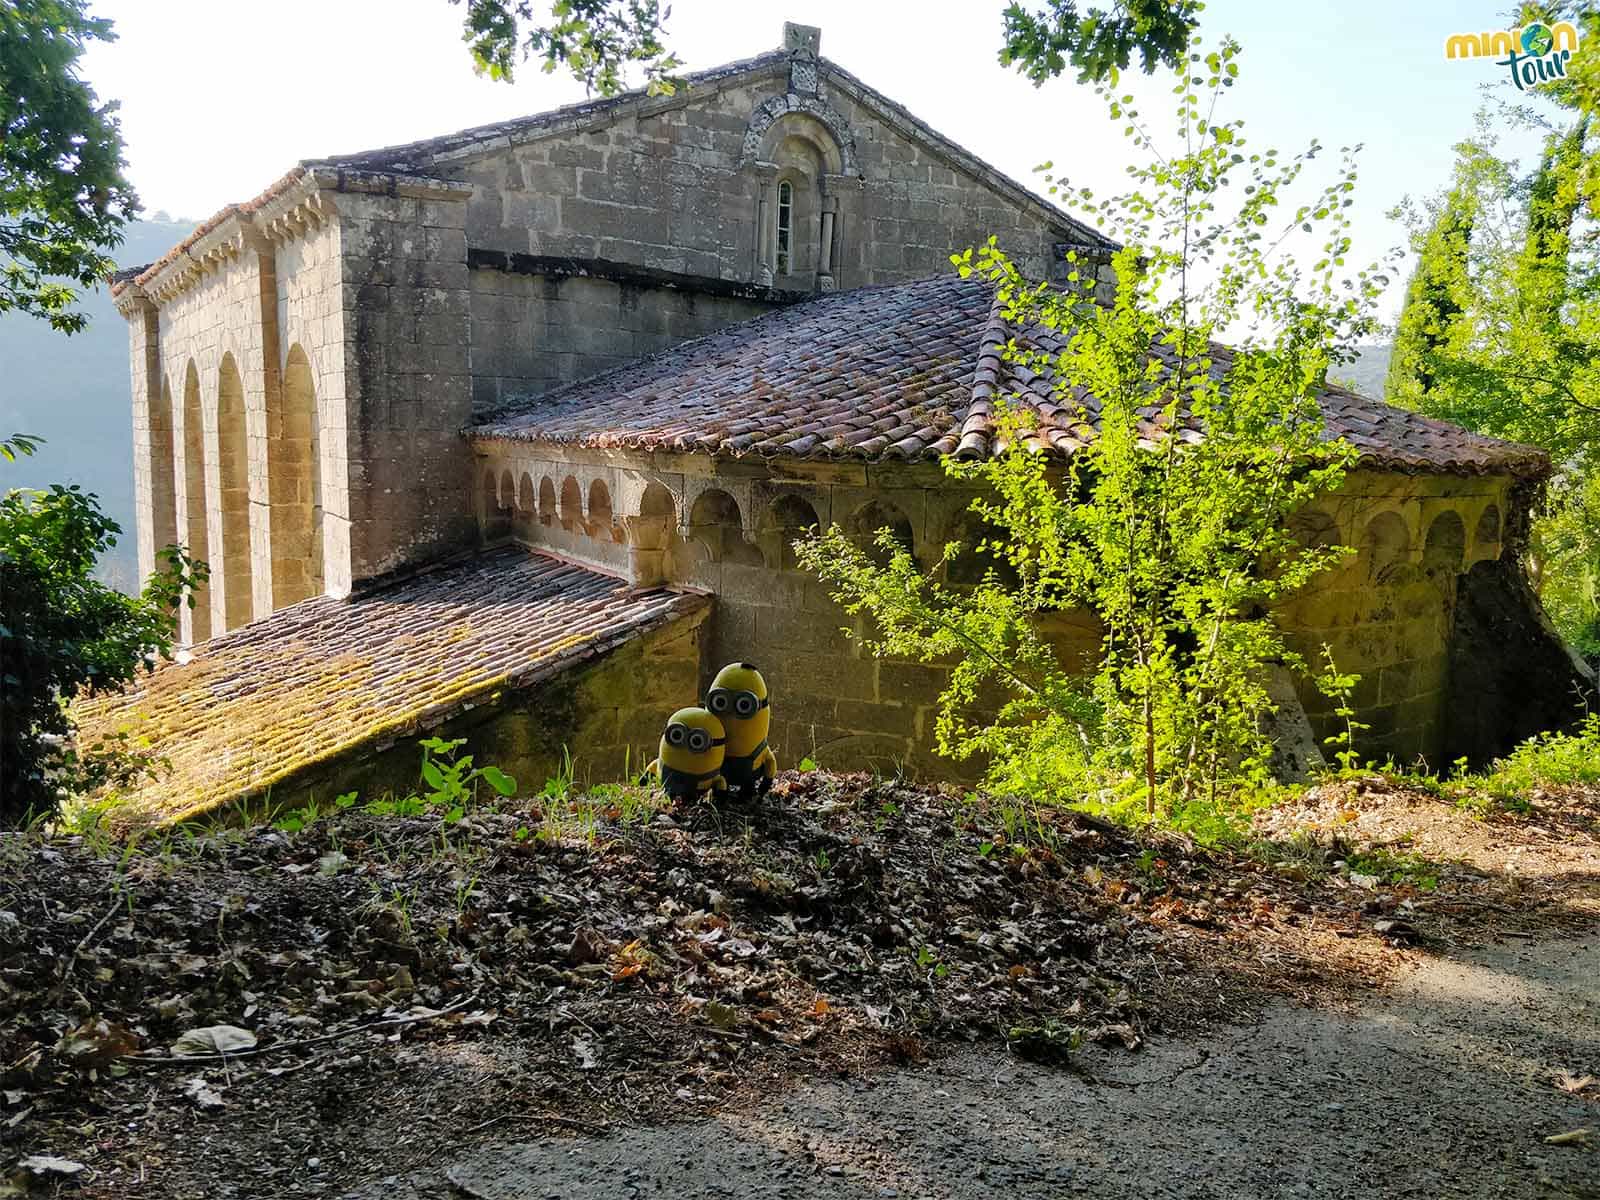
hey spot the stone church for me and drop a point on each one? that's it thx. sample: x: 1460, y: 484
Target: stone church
x: 508, y: 433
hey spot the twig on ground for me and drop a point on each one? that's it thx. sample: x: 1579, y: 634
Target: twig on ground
x: 83, y: 943
x: 301, y: 1043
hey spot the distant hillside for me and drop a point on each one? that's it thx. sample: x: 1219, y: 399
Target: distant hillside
x: 74, y: 392
x: 1367, y: 373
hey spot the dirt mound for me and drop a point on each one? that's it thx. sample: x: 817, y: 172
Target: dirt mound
x: 409, y: 985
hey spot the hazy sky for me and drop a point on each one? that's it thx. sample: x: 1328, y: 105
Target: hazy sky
x: 221, y: 97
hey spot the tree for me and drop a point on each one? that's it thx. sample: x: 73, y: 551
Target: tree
x: 63, y: 196
x: 62, y: 634
x: 1171, y: 526
x: 1516, y: 353
x: 1435, y: 296
x: 598, y: 40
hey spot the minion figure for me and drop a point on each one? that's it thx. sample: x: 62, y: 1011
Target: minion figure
x: 738, y: 698
x: 689, y: 761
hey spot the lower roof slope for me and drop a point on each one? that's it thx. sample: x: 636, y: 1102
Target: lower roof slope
x: 327, y: 676
x: 906, y: 371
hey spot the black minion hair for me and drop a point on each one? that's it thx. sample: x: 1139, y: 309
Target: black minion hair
x: 749, y: 666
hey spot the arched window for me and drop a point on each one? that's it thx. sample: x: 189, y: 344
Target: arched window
x: 785, y: 226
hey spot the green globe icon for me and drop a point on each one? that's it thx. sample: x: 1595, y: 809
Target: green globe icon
x: 1537, y: 39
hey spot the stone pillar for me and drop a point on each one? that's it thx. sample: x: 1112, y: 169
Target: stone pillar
x: 262, y: 395
x: 766, y: 225
x: 155, y: 501
x: 841, y: 195
x: 825, y: 281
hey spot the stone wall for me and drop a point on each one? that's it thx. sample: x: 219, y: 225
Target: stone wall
x: 533, y: 331
x: 690, y: 184
x: 1387, y: 614
x: 725, y: 527
x: 407, y: 312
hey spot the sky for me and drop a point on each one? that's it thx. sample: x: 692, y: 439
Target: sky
x: 220, y: 97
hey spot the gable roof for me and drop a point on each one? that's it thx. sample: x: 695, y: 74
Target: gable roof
x: 438, y: 155
x: 904, y: 372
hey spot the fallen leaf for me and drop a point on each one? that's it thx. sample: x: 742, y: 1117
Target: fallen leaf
x: 96, y: 1043
x: 587, y: 1060
x: 50, y: 1164
x: 1568, y: 1082
x: 204, y: 1096
x: 1108, y: 1034
x: 1572, y: 1137
x: 214, y: 1039
x: 332, y: 863
x: 721, y: 1015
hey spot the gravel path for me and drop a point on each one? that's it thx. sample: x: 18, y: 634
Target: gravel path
x: 1443, y: 1088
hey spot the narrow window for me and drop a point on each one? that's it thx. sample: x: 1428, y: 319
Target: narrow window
x: 785, y: 224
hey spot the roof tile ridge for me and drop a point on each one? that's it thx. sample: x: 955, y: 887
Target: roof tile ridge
x: 977, y: 424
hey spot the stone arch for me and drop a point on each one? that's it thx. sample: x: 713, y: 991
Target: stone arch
x: 875, y: 515
x: 788, y: 518
x: 527, y: 496
x: 1444, y: 551
x: 1386, y: 542
x: 163, y: 489
x: 571, y: 503
x: 1314, y: 529
x: 1487, y: 532
x: 717, y: 524
x: 233, y: 472
x: 508, y: 490
x: 805, y: 118
x: 294, y: 484
x: 547, y: 501
x: 602, y: 521
x: 650, y: 535
x: 496, y: 510
x: 972, y: 565
x: 195, y: 534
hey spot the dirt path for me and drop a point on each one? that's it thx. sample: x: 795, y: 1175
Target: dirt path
x: 1443, y: 1088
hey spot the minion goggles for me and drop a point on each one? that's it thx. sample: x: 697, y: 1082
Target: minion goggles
x: 742, y: 704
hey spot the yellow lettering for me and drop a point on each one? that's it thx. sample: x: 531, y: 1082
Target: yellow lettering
x: 1462, y: 45
x: 1566, y: 37
x: 1501, y: 43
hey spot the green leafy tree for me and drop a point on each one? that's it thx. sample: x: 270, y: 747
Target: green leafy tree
x: 63, y: 196
x: 1099, y: 42
x: 1435, y: 296
x: 62, y: 634
x: 1171, y: 525
x: 1516, y: 353
x: 598, y: 41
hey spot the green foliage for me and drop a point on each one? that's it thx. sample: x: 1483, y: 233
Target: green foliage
x: 1395, y: 869
x: 1099, y: 42
x: 1179, y: 545
x: 63, y: 196
x: 596, y: 41
x: 1548, y: 760
x: 1338, y: 686
x: 452, y: 780
x: 62, y: 634
x: 1501, y: 333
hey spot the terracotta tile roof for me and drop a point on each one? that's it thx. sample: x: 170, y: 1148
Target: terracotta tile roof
x: 906, y: 371
x: 326, y: 676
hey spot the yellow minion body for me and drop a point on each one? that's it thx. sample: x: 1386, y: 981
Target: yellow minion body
x: 689, y: 759
x: 738, y: 697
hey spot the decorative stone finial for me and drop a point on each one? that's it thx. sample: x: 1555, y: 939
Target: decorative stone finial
x: 807, y: 38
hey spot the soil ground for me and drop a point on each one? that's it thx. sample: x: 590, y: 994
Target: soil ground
x: 855, y: 985
x: 1441, y: 1090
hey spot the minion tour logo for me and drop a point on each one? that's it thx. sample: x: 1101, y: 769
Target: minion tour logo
x: 1534, y: 54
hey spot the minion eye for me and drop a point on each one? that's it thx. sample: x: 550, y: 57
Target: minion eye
x: 699, y: 740
x: 719, y: 702
x: 745, y: 705
x: 675, y: 735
